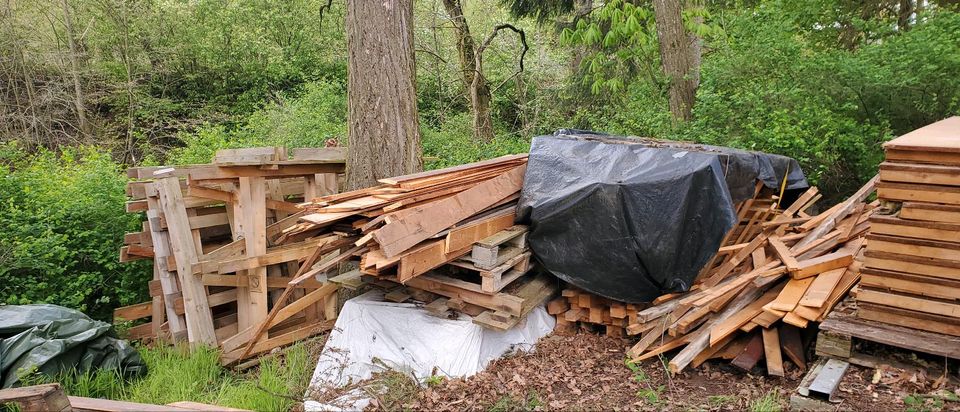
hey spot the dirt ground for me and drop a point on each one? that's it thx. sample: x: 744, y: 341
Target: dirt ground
x: 588, y: 372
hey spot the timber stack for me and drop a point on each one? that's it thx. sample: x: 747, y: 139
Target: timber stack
x: 214, y: 233
x: 911, y: 275
x: 444, y: 237
x: 780, y: 274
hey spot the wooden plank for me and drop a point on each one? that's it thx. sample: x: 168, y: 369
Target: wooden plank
x: 426, y: 257
x: 792, y: 346
x: 751, y: 354
x: 910, y: 283
x: 731, y: 324
x: 82, y: 404
x: 817, y: 265
x: 252, y: 299
x: 939, y: 158
x: 889, y: 225
x: 280, y: 340
x: 946, y: 269
x: 919, y: 304
x: 908, y: 318
x: 930, y: 212
x: 888, y: 334
x: 196, y: 308
x: 783, y: 252
x: 467, y: 292
x: 915, y: 247
x: 942, y: 136
x: 430, y: 219
x: 831, y: 222
x: 791, y: 294
x: 133, y: 312
x: 916, y: 173
x: 909, y: 192
x: 464, y: 237
x: 46, y: 397
x: 821, y: 287
x: 468, y: 166
x: 197, y: 406
x: 847, y: 281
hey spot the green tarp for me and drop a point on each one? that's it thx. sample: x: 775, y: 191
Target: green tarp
x: 51, y: 339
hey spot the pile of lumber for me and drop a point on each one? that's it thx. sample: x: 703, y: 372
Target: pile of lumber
x: 578, y: 309
x: 448, y: 233
x: 214, y: 233
x: 782, y: 272
x: 911, y: 275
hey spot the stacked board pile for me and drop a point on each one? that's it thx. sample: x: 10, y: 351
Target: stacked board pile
x: 911, y: 275
x: 444, y: 236
x: 214, y: 234
x: 750, y: 304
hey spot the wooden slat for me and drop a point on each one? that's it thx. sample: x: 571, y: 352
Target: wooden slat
x: 428, y: 220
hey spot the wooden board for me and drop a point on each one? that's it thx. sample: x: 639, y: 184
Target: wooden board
x: 902, y: 337
x: 771, y: 350
x: 908, y: 318
x: 889, y: 225
x: 947, y: 269
x: 820, y: 264
x: 790, y: 296
x: 450, y: 170
x: 916, y: 173
x: 942, y: 136
x: 910, y: 192
x: 930, y: 212
x: 199, y: 319
x: 821, y: 288
x: 909, y: 302
x: 947, y: 251
x: 463, y: 237
x: 910, y: 283
x: 430, y: 219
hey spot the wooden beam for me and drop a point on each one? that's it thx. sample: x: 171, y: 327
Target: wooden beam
x: 196, y: 308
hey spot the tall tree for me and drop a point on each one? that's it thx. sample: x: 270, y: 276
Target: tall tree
x: 383, y: 130
x: 679, y: 57
x: 478, y: 90
x: 75, y: 69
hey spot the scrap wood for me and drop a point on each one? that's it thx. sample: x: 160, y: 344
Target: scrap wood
x: 748, y: 290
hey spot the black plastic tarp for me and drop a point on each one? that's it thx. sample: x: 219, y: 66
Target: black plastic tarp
x: 631, y: 219
x: 52, y: 339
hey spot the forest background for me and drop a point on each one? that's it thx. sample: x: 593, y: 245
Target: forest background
x: 90, y: 87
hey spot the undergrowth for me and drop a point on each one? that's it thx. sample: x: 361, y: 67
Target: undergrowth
x: 177, y: 374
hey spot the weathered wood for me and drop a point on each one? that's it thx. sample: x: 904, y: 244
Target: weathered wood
x: 46, y: 397
x: 433, y: 218
x: 771, y: 350
x: 197, y: 310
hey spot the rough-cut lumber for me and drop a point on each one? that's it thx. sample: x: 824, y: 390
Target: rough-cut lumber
x: 428, y: 220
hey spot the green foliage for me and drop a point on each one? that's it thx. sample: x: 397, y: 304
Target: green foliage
x: 62, y: 220
x: 308, y: 120
x: 454, y: 144
x: 178, y: 374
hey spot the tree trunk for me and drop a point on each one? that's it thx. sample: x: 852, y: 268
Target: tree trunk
x: 677, y: 56
x: 903, y: 15
x: 383, y: 128
x: 478, y: 91
x: 75, y: 70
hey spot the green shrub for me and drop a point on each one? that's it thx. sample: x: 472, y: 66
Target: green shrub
x: 62, y: 221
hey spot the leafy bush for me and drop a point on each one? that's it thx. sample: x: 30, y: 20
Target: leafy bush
x: 62, y: 221
x: 307, y: 120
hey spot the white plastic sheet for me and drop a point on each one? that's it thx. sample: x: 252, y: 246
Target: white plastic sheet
x: 372, y: 335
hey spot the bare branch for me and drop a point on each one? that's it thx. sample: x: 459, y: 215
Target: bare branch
x: 489, y: 39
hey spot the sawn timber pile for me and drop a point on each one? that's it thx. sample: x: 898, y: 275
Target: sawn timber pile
x: 752, y: 302
x: 446, y: 237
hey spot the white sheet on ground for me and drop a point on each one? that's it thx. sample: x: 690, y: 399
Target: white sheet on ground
x: 372, y: 335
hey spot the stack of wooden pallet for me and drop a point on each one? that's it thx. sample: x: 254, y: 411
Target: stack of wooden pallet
x: 214, y: 235
x: 449, y: 232
x: 911, y: 276
x: 747, y: 305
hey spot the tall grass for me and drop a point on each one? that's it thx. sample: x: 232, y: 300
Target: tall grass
x: 178, y: 374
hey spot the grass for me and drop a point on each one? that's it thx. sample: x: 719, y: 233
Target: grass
x: 769, y: 402
x: 177, y: 374
x: 721, y: 400
x: 508, y: 403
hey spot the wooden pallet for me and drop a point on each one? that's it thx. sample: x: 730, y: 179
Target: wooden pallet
x: 842, y: 330
x: 494, y: 279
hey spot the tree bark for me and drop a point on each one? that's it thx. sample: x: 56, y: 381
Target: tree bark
x: 903, y: 15
x: 478, y: 91
x: 75, y: 70
x: 679, y: 58
x: 383, y: 129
